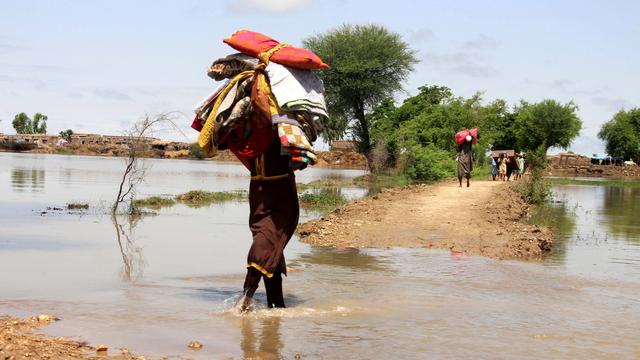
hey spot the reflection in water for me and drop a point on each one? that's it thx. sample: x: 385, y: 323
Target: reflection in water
x: 265, y: 345
x: 621, y: 207
x: 132, y: 258
x: 347, y: 257
x: 561, y: 217
x: 22, y: 179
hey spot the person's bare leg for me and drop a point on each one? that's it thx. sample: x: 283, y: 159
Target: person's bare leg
x: 251, y: 282
x: 275, y: 297
x: 467, y: 182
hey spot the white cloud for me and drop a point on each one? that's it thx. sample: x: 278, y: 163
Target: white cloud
x: 482, y: 42
x: 461, y: 63
x: 612, y: 104
x: 421, y: 35
x: 111, y: 94
x: 269, y: 6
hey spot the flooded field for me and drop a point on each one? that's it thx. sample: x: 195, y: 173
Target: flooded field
x: 174, y: 277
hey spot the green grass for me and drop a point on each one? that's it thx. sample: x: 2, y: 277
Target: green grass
x: 376, y: 183
x: 154, y: 202
x: 324, y: 200
x: 481, y: 172
x: 617, y: 183
x: 77, y: 206
x: 64, y: 151
x: 198, y: 198
x: 325, y: 183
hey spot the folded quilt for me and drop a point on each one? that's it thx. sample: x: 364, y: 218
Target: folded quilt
x: 297, y: 90
x: 296, y: 145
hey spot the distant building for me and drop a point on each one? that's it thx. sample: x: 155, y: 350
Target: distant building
x: 76, y: 139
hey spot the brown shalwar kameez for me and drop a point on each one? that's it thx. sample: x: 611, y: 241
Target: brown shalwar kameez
x: 465, y: 160
x: 274, y: 210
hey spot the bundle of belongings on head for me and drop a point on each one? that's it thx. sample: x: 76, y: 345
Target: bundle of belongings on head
x: 462, y: 135
x: 269, y: 88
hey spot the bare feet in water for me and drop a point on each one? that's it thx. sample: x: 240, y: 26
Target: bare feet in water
x: 244, y: 304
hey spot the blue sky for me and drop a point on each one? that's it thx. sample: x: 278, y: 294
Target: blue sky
x: 97, y: 66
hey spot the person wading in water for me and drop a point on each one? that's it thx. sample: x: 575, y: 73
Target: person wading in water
x: 465, y: 159
x: 268, y: 115
x: 273, y: 217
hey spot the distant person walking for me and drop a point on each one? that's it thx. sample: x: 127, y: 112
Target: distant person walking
x: 520, y: 164
x: 465, y: 159
x: 494, y: 169
x: 502, y: 166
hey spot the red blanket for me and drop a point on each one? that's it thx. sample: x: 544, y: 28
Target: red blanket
x: 461, y: 135
x: 253, y: 43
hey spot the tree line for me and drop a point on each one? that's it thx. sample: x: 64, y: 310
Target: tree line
x: 23, y: 124
x: 369, y: 65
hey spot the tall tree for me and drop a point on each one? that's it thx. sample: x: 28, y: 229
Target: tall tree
x: 25, y: 125
x: 546, y: 124
x: 39, y: 124
x: 66, y: 134
x: 22, y: 124
x: 621, y: 134
x: 368, y: 64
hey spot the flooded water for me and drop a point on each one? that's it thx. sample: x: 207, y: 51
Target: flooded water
x: 173, y: 277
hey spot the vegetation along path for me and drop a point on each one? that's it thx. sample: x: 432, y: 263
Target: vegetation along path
x: 488, y: 219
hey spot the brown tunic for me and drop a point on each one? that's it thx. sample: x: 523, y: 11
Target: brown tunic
x: 465, y: 160
x: 274, y: 210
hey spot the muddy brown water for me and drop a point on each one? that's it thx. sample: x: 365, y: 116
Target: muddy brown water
x: 174, y: 277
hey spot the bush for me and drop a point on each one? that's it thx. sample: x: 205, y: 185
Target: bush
x: 325, y: 199
x: 154, y: 202
x: 77, y: 206
x: 196, y: 151
x: 64, y: 151
x: 535, y: 189
x: 429, y: 163
x: 198, y: 198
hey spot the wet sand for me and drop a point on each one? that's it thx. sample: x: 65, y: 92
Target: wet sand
x: 19, y: 340
x: 487, y: 219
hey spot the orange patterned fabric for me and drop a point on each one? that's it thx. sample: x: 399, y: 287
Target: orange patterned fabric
x: 253, y: 43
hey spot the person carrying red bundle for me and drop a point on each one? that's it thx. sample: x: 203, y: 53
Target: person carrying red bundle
x: 267, y: 113
x: 465, y: 140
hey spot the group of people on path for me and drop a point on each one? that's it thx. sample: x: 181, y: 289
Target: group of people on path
x: 499, y: 164
x: 500, y: 170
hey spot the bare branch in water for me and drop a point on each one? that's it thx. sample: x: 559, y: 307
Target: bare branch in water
x: 138, y: 138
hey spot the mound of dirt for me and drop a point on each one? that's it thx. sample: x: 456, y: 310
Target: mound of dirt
x: 581, y: 166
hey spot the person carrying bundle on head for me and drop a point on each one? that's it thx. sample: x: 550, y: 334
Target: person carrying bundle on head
x: 465, y: 140
x: 268, y: 113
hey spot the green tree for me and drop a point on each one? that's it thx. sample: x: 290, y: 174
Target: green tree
x: 503, y: 128
x: 39, y: 123
x: 66, y: 134
x: 368, y: 65
x: 25, y: 125
x: 546, y: 124
x: 22, y: 124
x: 621, y: 134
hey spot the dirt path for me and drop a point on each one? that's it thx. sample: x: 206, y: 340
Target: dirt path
x: 485, y: 219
